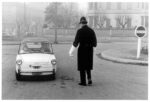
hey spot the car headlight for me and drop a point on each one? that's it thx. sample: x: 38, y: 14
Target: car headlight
x: 19, y: 62
x: 53, y: 62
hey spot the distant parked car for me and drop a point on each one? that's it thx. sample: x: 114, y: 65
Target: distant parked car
x: 35, y: 58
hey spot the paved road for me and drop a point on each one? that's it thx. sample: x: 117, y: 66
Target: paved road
x: 111, y: 80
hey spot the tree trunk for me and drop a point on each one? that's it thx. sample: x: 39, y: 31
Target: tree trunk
x: 56, y: 42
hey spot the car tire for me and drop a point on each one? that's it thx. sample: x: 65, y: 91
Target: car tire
x: 18, y: 77
x: 53, y: 76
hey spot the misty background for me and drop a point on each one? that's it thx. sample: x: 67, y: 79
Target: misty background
x: 58, y: 21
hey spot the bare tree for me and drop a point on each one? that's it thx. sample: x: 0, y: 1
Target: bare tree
x: 19, y: 26
x: 101, y: 21
x: 60, y: 15
x: 123, y: 20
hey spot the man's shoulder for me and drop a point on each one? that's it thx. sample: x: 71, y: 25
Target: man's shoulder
x: 92, y: 30
x: 79, y: 29
x: 88, y: 27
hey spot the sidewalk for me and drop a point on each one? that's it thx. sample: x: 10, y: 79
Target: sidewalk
x: 124, y: 56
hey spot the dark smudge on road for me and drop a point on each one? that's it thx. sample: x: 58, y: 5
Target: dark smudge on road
x: 80, y: 93
x: 66, y: 78
x: 62, y: 86
x: 63, y: 83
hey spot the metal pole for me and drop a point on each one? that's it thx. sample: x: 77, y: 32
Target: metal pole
x: 56, y: 25
x: 138, y: 48
x: 110, y: 33
x: 24, y: 17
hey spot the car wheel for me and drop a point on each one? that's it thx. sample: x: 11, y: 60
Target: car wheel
x: 18, y: 77
x: 53, y: 76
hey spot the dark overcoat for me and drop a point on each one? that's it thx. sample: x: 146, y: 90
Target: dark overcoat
x: 86, y: 39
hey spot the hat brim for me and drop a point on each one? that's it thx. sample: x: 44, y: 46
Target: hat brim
x: 83, y: 22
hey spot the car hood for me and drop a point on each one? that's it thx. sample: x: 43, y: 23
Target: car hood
x: 36, y: 57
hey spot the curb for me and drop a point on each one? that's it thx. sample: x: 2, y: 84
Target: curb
x: 121, y: 60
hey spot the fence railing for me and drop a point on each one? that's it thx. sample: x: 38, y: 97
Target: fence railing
x: 69, y: 34
x: 99, y: 32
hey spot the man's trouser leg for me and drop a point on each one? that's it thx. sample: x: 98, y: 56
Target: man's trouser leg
x: 89, y: 77
x: 83, y: 76
x: 88, y: 74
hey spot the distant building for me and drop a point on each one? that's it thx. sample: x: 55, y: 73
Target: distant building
x: 22, y: 17
x: 18, y: 17
x: 117, y: 14
x: 9, y: 17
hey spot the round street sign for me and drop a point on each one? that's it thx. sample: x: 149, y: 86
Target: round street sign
x: 140, y: 31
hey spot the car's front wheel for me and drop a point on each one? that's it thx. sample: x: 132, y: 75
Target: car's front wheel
x: 18, y: 77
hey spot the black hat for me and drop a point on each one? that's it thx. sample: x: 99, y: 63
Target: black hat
x: 83, y: 20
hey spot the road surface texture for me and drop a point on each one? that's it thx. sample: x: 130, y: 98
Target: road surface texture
x: 112, y: 81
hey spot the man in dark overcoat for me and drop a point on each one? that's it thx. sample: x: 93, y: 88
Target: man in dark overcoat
x: 86, y: 40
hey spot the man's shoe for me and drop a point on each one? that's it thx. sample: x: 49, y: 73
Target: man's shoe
x: 82, y: 84
x: 90, y: 82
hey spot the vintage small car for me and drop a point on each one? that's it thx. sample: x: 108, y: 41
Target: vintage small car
x: 35, y: 58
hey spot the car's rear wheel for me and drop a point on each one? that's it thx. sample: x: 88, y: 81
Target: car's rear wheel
x: 18, y: 76
x: 53, y: 76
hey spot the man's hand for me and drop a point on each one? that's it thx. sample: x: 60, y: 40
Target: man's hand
x: 70, y: 54
x: 71, y: 51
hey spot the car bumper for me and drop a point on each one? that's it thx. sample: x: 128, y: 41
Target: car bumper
x: 37, y: 77
x: 36, y: 73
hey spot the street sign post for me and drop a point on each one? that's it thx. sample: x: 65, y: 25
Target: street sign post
x: 140, y: 32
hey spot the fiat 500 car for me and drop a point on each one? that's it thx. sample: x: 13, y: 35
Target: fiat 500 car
x: 35, y: 58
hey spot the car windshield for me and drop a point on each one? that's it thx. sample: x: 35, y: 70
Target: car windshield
x: 35, y: 47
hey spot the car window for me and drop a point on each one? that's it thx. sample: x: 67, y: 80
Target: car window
x: 35, y: 47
